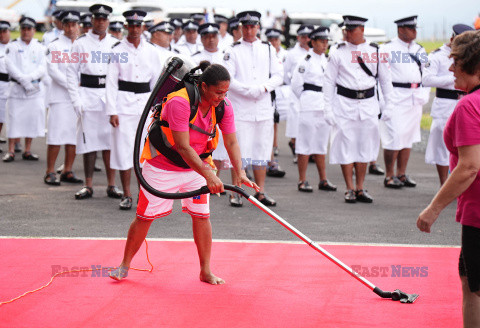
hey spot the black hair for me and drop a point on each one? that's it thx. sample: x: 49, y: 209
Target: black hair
x: 212, y: 74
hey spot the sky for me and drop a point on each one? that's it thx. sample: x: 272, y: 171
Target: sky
x: 435, y: 16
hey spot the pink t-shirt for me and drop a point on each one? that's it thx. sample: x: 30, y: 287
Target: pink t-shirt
x: 177, y: 113
x: 463, y: 129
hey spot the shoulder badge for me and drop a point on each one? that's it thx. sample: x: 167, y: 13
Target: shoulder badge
x: 341, y: 44
x: 226, y: 56
x: 116, y: 44
x: 307, y: 58
x: 236, y: 43
x: 373, y: 44
x: 301, y: 69
x: 81, y: 36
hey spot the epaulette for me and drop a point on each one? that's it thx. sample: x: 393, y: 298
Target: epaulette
x: 341, y: 44
x: 176, y: 50
x: 436, y: 50
x: 151, y: 42
x: 307, y: 58
x: 388, y: 42
x: 196, y: 53
x: 373, y: 44
x: 265, y: 42
x: 236, y: 43
x: 116, y: 44
x: 81, y: 36
x: 14, y: 40
x: 54, y: 40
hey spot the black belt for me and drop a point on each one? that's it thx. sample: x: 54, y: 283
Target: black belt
x: 407, y: 85
x: 4, y: 77
x: 355, y: 94
x: 92, y: 81
x: 311, y: 87
x: 137, y: 87
x: 449, y: 94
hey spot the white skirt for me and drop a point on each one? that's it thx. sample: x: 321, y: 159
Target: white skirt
x: 291, y: 129
x: 437, y: 153
x: 123, y: 142
x: 61, y: 124
x: 25, y: 117
x: 3, y: 106
x: 283, y: 100
x: 220, y: 153
x: 354, y: 141
x: 402, y: 130
x: 256, y: 141
x: 313, y: 134
x: 97, y: 129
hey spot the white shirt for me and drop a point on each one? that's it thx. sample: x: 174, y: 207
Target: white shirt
x: 141, y: 67
x: 405, y: 70
x: 58, y: 55
x: 292, y: 58
x: 224, y: 41
x: 310, y: 70
x: 96, y: 55
x: 342, y: 70
x: 51, y: 35
x: 213, y: 57
x: 164, y: 54
x: 3, y: 69
x: 437, y: 74
x: 253, y: 67
x: 189, y: 49
x: 25, y: 63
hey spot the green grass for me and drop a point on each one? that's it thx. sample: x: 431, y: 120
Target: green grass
x: 430, y: 45
x: 426, y: 122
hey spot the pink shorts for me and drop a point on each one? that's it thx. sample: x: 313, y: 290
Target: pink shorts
x: 151, y: 207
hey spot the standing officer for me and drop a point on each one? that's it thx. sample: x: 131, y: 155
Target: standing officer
x: 61, y: 121
x: 355, y: 140
x: 177, y: 31
x: 190, y: 44
x: 294, y: 55
x: 437, y: 75
x: 147, y: 24
x: 234, y: 28
x: 116, y: 29
x: 85, y: 23
x: 209, y: 37
x: 407, y: 59
x: 255, y: 72
x: 224, y: 38
x: 4, y: 40
x: 161, y: 35
x: 86, y: 86
x: 25, y: 60
x: 314, y: 120
x: 128, y: 88
x: 57, y: 28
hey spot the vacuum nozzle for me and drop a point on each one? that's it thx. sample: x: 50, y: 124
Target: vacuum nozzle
x: 396, y: 295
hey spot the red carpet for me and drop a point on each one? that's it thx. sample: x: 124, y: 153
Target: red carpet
x: 268, y: 285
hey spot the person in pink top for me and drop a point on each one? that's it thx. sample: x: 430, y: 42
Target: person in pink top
x: 462, y: 138
x: 168, y: 176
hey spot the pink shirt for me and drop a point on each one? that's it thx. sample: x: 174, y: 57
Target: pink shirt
x: 177, y: 114
x: 463, y: 129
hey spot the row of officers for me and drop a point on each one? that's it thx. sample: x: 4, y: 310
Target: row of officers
x: 98, y: 86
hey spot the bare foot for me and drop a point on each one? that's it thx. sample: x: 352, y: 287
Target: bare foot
x: 211, y: 279
x: 119, y: 273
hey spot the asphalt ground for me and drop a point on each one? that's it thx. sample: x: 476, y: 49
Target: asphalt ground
x: 30, y: 208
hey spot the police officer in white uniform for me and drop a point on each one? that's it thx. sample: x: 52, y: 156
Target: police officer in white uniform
x: 61, y: 120
x: 177, y: 31
x: 209, y: 36
x: 314, y: 121
x: 4, y: 78
x: 86, y: 85
x: 116, y: 29
x: 128, y: 88
x: 25, y: 60
x: 57, y: 28
x: 161, y: 34
x: 85, y: 23
x: 437, y: 75
x: 407, y: 59
x: 224, y: 38
x: 294, y: 55
x: 255, y: 72
x: 234, y: 29
x: 147, y: 24
x: 190, y: 44
x: 349, y: 89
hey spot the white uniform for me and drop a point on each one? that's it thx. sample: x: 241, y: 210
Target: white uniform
x: 225, y: 41
x: 187, y: 48
x: 255, y: 71
x: 314, y: 131
x: 62, y: 120
x: 292, y: 58
x: 404, y: 127
x: 86, y: 79
x: 437, y: 74
x: 355, y: 138
x: 283, y: 93
x: 25, y: 109
x: 128, y: 89
x: 4, y: 84
x: 51, y: 35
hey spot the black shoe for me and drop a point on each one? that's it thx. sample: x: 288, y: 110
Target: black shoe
x: 235, y: 200
x: 84, y: 193
x: 392, y: 182
x: 407, y: 182
x: 291, y: 144
x: 350, y: 197
x: 311, y: 159
x: 18, y: 147
x: 114, y: 192
x: 327, y: 185
x: 9, y: 157
x: 375, y: 170
x: 126, y: 203
x: 363, y: 196
x: 3, y: 140
x: 28, y: 156
x: 275, y: 171
x: 97, y: 168
x: 51, y: 179
x: 1, y: 151
x: 304, y: 186
x: 70, y: 177
x: 265, y: 200
x: 60, y: 169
